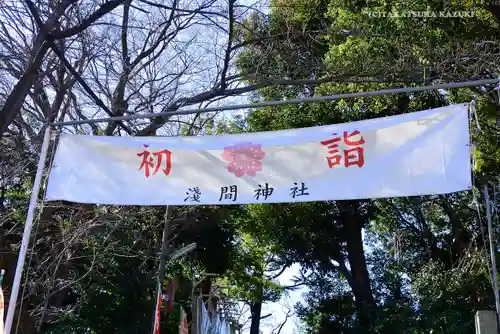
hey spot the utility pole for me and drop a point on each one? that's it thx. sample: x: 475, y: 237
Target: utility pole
x: 165, y: 244
x: 194, y: 312
x: 166, y: 256
x: 163, y: 256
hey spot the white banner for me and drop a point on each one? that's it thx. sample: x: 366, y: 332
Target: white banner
x: 411, y: 154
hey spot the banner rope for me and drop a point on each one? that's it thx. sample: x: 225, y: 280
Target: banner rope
x: 176, y: 111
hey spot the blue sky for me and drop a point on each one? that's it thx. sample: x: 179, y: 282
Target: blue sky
x: 280, y: 309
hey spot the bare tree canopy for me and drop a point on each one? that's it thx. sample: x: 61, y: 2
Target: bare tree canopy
x: 67, y: 60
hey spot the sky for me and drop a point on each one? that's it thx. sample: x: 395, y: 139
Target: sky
x: 293, y: 297
x: 280, y: 308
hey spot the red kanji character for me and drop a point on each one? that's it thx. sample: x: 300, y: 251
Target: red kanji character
x: 352, y: 156
x: 361, y: 141
x: 333, y: 147
x: 148, y: 161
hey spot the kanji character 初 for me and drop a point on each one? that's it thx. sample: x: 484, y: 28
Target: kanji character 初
x: 229, y: 193
x: 354, y: 155
x: 148, y: 162
x: 264, y: 192
x: 296, y: 191
x: 193, y: 195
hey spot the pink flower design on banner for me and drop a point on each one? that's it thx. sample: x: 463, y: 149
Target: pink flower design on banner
x: 244, y: 158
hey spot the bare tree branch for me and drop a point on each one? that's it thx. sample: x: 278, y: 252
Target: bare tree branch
x: 107, y: 7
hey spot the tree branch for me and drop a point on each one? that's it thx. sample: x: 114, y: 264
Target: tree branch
x: 227, y: 56
x: 103, y: 10
x: 279, y: 328
x: 190, y: 11
x: 52, y: 45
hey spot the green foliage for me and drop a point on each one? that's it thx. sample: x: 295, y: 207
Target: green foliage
x: 416, y: 248
x: 449, y: 298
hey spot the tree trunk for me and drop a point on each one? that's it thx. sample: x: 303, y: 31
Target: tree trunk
x: 256, y: 305
x: 461, y: 237
x: 353, y: 226
x: 16, y: 98
x: 256, y: 310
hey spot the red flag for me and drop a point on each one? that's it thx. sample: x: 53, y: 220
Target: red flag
x: 158, y: 308
x: 170, y: 295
